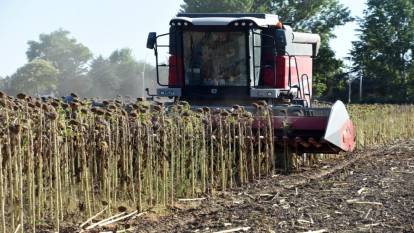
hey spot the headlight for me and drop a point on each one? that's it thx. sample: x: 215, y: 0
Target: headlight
x: 185, y: 24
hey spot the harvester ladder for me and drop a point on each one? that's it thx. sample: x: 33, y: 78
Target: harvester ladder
x: 301, y: 93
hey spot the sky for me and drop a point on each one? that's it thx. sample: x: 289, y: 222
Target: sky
x: 106, y: 25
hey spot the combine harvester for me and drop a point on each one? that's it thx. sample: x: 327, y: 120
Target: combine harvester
x: 222, y: 60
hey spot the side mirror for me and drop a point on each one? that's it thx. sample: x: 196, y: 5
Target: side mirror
x: 152, y: 39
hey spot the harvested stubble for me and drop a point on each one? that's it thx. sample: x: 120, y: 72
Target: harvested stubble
x: 58, y: 159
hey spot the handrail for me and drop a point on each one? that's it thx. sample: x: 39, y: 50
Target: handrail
x: 309, y: 91
x: 157, y: 61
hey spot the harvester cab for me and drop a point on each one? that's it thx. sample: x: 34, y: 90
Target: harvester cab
x: 222, y: 60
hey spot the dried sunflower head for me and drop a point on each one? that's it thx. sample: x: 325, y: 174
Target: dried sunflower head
x: 31, y: 105
x: 45, y: 107
x: 55, y: 104
x: 74, y: 106
x: 52, y: 115
x: 159, y: 103
x: 15, y: 128
x: 262, y: 103
x: 186, y: 114
x: 122, y: 209
x: 73, y: 122
x: 38, y: 104
x: 236, y: 107
x: 157, y: 108
x: 99, y: 112
x: 199, y: 110
x: 112, y: 107
x: 21, y: 96
x: 224, y: 114
x: 248, y: 115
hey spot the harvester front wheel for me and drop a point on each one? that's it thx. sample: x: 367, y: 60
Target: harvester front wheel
x: 284, y: 159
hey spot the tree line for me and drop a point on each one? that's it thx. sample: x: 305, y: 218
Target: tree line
x: 59, y: 65
x: 382, y: 57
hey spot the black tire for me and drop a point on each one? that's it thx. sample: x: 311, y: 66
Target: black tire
x: 284, y: 159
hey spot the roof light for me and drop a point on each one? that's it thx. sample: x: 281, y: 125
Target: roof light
x: 179, y: 23
x: 236, y: 24
x: 172, y: 24
x: 251, y: 24
x: 185, y: 24
x: 243, y: 24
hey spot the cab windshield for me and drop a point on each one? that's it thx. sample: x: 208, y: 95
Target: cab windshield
x: 215, y: 58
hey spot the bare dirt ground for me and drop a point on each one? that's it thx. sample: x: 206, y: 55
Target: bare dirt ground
x: 369, y: 191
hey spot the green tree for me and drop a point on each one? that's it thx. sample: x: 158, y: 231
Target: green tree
x: 120, y: 74
x: 317, y: 16
x: 66, y: 54
x: 212, y: 6
x: 105, y: 82
x: 128, y: 72
x: 321, y: 17
x: 38, y: 77
x: 2, y: 83
x: 384, y: 54
x: 5, y: 85
x: 410, y: 82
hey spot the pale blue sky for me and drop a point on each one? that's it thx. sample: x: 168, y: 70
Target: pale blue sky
x: 104, y: 25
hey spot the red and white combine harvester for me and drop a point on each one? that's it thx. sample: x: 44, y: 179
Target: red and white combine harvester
x: 222, y: 60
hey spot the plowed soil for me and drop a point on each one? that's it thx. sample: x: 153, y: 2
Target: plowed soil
x: 367, y: 191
